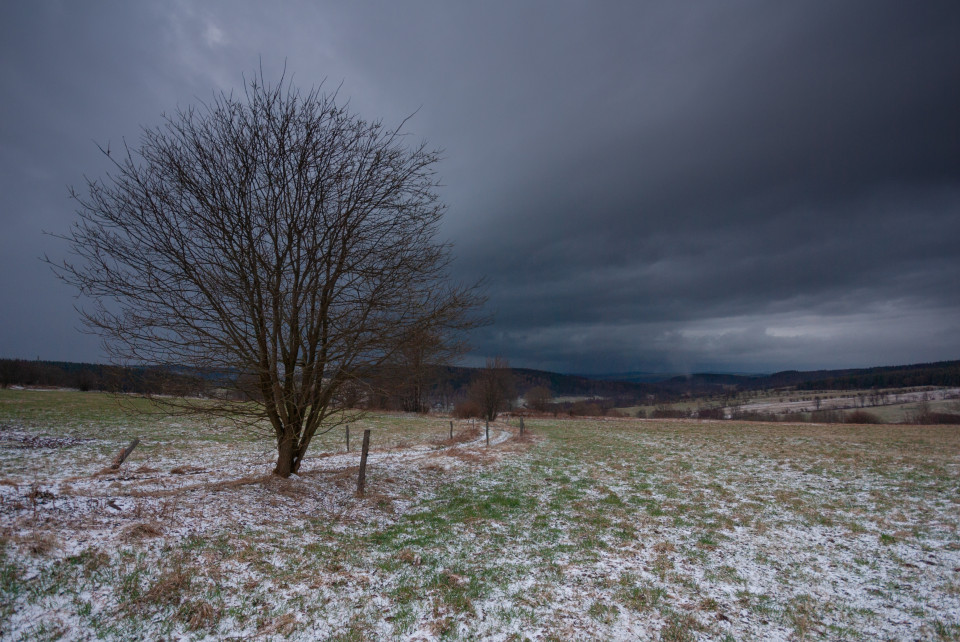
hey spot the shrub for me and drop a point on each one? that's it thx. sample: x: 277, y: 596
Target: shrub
x: 826, y: 417
x: 669, y: 413
x: 862, y: 417
x: 586, y: 409
x: 539, y: 398
x: 931, y: 418
x: 467, y: 409
x: 750, y: 415
x: 710, y: 413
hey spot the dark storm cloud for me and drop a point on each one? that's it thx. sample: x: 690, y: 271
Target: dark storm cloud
x: 75, y: 74
x: 743, y: 186
x: 810, y: 174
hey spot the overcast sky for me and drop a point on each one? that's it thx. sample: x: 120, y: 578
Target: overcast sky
x: 647, y: 186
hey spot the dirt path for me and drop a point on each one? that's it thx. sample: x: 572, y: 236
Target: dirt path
x: 498, y: 435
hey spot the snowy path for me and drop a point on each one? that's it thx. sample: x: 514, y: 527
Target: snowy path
x: 497, y: 436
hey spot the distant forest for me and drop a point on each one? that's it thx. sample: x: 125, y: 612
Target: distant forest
x: 447, y: 384
x: 941, y: 374
x: 94, y: 376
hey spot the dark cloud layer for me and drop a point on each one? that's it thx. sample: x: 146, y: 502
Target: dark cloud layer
x: 647, y: 186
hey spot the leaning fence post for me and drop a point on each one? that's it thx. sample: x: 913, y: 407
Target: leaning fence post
x: 488, y: 433
x: 123, y: 454
x: 363, y: 462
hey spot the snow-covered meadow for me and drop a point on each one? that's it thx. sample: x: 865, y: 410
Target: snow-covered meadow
x: 586, y: 529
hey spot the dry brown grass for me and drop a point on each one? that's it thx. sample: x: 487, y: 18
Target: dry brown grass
x: 38, y: 495
x: 286, y: 487
x: 460, y: 437
x: 205, y: 486
x: 186, y: 470
x: 283, y: 625
x: 664, y: 547
x: 802, y: 614
x: 235, y: 483
x: 105, y: 471
x: 470, y: 456
x: 143, y: 530
x: 380, y: 501
x: 848, y: 445
x: 199, y: 615
x: 170, y: 587
x: 344, y: 474
x: 441, y: 626
x: 526, y: 438
x: 38, y: 542
x: 409, y: 557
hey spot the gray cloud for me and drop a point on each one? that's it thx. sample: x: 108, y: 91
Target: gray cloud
x: 738, y: 186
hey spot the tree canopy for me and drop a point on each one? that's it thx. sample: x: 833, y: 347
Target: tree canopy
x: 276, y: 238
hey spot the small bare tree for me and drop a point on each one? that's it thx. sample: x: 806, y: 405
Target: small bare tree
x: 273, y: 238
x: 415, y: 368
x: 921, y: 414
x: 492, y: 389
x: 538, y: 398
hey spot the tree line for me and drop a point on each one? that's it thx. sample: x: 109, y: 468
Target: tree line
x: 941, y: 374
x: 99, y: 377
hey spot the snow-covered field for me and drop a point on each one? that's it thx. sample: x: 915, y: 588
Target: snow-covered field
x: 591, y: 529
x: 835, y: 401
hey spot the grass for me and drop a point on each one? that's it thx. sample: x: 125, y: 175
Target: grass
x: 597, y: 529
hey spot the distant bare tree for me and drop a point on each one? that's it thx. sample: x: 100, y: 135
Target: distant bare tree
x: 922, y: 413
x: 415, y: 368
x: 538, y: 398
x: 492, y: 389
x: 274, y: 238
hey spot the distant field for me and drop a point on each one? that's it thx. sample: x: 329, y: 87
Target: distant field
x: 897, y: 405
x: 592, y: 529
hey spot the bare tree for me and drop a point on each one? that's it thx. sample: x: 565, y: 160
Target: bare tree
x: 922, y: 413
x: 408, y: 377
x: 492, y: 389
x: 538, y: 398
x: 273, y: 235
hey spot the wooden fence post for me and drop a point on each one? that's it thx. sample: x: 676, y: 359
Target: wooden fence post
x: 362, y: 478
x: 488, y: 433
x: 521, y: 426
x: 348, y: 437
x: 451, y: 429
x: 123, y: 454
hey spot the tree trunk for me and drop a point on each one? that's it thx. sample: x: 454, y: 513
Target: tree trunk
x: 286, y: 455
